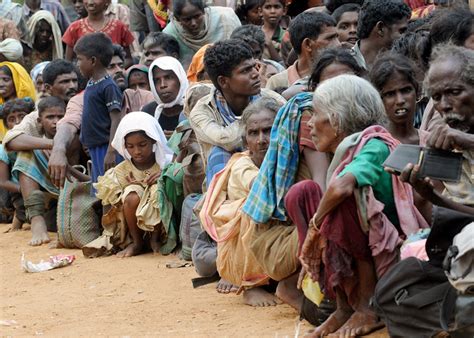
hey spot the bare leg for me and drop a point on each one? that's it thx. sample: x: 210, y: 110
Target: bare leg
x: 224, y: 286
x: 363, y: 320
x: 38, y: 224
x: 288, y: 292
x: 336, y: 319
x: 155, y: 236
x: 259, y: 297
x: 129, y: 210
x: 16, y: 224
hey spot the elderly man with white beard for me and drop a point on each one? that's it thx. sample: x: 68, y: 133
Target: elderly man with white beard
x: 450, y: 83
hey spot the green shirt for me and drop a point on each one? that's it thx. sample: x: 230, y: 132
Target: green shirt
x: 367, y: 169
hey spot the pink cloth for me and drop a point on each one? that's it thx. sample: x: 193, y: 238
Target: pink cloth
x: 415, y: 249
x: 74, y: 109
x: 383, y: 235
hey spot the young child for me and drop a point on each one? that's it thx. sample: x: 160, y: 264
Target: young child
x: 13, y: 113
x: 272, y: 12
x: 96, y: 21
x: 137, y: 77
x: 31, y: 170
x: 250, y: 12
x: 102, y: 101
x: 131, y: 187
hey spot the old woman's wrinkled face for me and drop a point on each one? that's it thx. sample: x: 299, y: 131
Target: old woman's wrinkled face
x: 325, y: 136
x: 257, y: 135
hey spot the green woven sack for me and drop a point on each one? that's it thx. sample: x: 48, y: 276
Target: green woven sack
x: 78, y: 214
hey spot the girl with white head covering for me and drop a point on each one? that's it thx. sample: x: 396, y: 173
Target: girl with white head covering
x: 131, y: 187
x: 168, y: 83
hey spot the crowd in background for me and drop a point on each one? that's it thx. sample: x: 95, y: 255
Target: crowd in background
x: 251, y: 136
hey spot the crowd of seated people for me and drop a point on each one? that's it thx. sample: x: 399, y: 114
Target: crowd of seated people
x: 254, y: 139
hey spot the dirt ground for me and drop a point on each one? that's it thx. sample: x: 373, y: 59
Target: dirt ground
x: 109, y: 296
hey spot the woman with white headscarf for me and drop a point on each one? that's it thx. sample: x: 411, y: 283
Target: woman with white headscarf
x: 43, y: 39
x: 131, y: 188
x: 168, y: 83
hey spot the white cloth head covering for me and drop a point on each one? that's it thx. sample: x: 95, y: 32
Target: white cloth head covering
x: 168, y: 63
x: 58, y: 51
x: 141, y: 121
x: 38, y: 70
x: 11, y: 49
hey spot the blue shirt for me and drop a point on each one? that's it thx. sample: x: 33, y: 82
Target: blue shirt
x: 100, y: 99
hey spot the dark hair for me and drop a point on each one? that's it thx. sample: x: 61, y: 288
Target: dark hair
x: 388, y: 64
x: 387, y: 11
x: 139, y: 132
x: 249, y: 34
x: 327, y: 58
x: 55, y: 68
x: 25, y: 105
x: 283, y: 2
x: 6, y: 70
x: 50, y: 102
x: 413, y: 45
x: 221, y: 58
x: 308, y: 25
x: 96, y: 45
x: 452, y: 25
x: 178, y: 6
x: 244, y: 8
x: 420, y: 24
x: 337, y: 14
x: 118, y: 51
x: 168, y: 42
x: 332, y: 5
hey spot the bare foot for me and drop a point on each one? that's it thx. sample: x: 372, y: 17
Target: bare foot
x: 332, y: 324
x: 289, y: 293
x: 359, y: 324
x: 224, y: 286
x: 259, y: 297
x: 55, y: 245
x: 155, y: 247
x: 132, y: 249
x: 39, y: 231
x: 154, y: 244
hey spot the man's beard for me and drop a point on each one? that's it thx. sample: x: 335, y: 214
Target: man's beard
x: 457, y: 121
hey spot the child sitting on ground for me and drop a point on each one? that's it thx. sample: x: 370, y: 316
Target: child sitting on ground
x: 131, y: 187
x: 272, y: 12
x: 102, y: 101
x: 31, y: 170
x: 10, y: 198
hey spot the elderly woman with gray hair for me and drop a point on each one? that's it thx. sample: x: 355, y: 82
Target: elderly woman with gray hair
x: 357, y: 225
